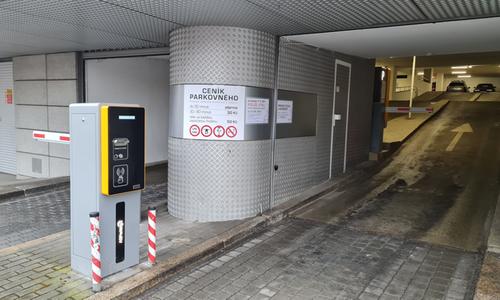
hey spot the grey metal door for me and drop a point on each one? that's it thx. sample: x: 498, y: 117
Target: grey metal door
x: 340, y: 117
x: 7, y: 120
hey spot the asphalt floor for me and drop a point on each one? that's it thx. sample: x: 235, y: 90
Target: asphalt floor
x: 428, y: 193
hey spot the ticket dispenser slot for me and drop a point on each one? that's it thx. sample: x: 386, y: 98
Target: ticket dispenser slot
x: 120, y: 148
x: 122, y: 133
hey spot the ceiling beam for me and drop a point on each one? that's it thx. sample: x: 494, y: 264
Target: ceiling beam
x: 484, y: 58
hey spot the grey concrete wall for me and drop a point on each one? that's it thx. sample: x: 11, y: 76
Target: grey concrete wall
x: 44, y: 86
x: 421, y: 87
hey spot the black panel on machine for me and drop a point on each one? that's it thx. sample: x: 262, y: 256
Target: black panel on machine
x: 126, y: 149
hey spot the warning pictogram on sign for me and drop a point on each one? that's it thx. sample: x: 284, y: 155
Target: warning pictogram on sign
x: 206, y: 131
x: 194, y: 130
x: 219, y: 131
x: 231, y: 131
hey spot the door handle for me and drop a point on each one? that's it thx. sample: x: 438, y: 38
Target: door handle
x: 337, y: 117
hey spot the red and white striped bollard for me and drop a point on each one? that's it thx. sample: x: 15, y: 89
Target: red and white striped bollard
x: 95, y: 249
x: 151, y: 236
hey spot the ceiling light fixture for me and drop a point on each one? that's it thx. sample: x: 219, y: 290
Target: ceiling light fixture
x: 464, y: 76
x: 461, y: 67
x: 458, y: 72
x: 420, y: 73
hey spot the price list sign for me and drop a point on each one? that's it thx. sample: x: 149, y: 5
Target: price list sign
x: 214, y: 112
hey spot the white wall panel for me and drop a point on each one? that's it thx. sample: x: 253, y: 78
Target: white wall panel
x: 31, y: 92
x: 137, y: 80
x: 58, y: 167
x: 31, y: 117
x: 42, y: 104
x: 29, y: 67
x: 32, y: 165
x: 58, y: 118
x: 7, y: 122
x: 26, y: 143
x: 62, y: 66
x: 62, y: 92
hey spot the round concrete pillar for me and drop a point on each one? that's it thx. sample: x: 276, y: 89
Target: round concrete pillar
x: 212, y: 179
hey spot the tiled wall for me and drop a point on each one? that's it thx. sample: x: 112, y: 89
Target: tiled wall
x: 44, y: 86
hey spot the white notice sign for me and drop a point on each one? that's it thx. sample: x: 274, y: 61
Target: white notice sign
x: 257, y: 111
x: 214, y: 112
x: 285, y: 112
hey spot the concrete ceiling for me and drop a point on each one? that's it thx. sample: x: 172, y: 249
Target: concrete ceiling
x: 477, y: 71
x: 43, y: 26
x: 466, y: 36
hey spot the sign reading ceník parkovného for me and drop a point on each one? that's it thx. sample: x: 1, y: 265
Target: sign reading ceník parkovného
x: 214, y: 112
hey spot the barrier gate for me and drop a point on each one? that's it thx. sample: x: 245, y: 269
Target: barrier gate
x: 107, y: 176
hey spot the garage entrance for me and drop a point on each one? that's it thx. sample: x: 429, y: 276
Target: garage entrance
x: 139, y: 80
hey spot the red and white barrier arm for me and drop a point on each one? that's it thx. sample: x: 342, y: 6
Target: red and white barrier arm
x: 405, y: 110
x: 51, y: 137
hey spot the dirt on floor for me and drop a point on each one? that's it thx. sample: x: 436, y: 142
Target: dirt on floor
x: 488, y: 286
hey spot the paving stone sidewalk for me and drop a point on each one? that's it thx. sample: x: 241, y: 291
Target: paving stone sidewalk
x: 40, y: 269
x: 300, y: 259
x: 24, y: 219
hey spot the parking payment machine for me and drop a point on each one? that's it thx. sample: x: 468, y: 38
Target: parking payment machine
x: 107, y: 176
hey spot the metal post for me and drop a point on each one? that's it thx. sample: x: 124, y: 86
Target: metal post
x: 274, y: 167
x: 151, y: 236
x: 412, y: 85
x: 95, y: 249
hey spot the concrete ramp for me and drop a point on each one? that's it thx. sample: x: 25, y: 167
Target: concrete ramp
x: 400, y: 128
x: 425, y: 97
x: 428, y: 96
x: 489, y: 97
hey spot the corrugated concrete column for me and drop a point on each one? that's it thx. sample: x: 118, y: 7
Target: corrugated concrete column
x: 44, y: 86
x: 211, y: 180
